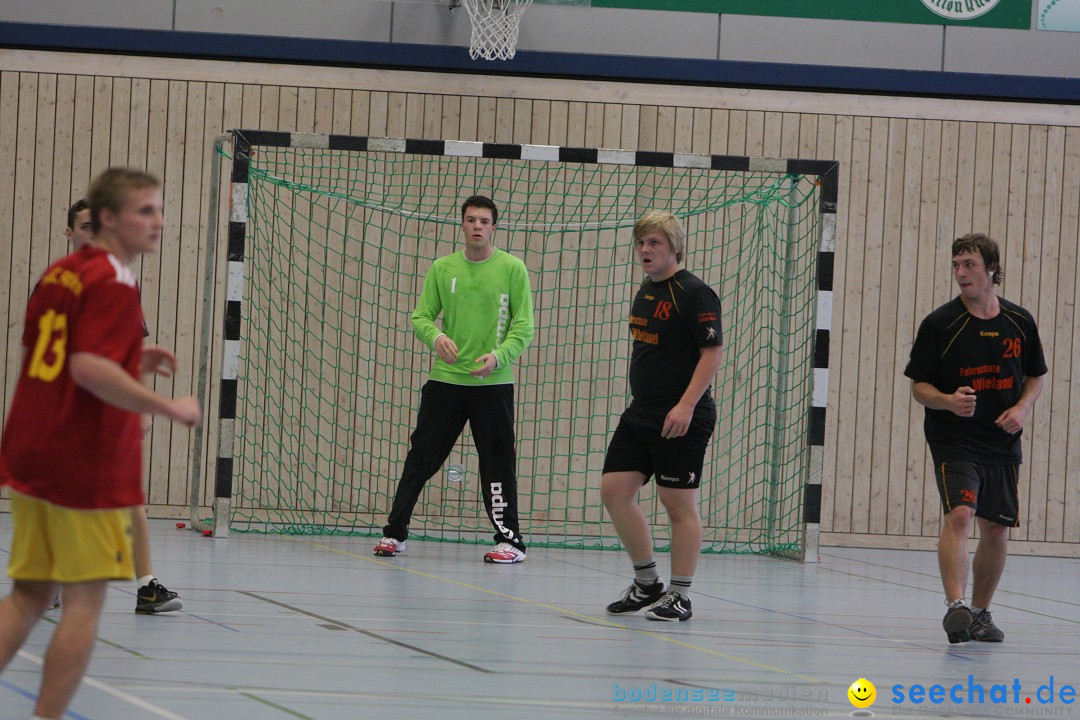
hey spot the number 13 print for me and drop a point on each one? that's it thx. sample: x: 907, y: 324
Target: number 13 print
x: 52, y: 336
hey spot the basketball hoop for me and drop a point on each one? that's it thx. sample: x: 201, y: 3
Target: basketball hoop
x: 495, y: 26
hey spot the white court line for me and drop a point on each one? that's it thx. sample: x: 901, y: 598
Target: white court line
x: 120, y: 694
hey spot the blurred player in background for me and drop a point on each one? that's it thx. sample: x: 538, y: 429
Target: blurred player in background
x: 677, y: 349
x: 977, y: 365
x: 151, y: 596
x: 72, y: 446
x: 484, y: 297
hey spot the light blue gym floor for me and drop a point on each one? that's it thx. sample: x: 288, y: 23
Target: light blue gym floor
x: 318, y: 628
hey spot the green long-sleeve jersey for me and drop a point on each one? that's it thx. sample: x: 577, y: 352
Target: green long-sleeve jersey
x: 486, y: 307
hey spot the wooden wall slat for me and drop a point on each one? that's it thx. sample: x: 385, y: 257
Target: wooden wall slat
x: 1065, y: 367
x: 912, y: 135
x: 10, y: 350
x: 21, y: 159
x: 870, y: 390
x: 1059, y: 267
x: 846, y: 324
x: 665, y: 129
x: 540, y: 123
x: 647, y: 121
x: 936, y: 149
x: 914, y: 175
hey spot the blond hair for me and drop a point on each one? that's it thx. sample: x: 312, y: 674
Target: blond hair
x: 110, y: 190
x: 667, y: 225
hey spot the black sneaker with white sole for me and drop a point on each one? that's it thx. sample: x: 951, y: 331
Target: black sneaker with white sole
x: 636, y: 597
x: 155, y: 598
x: 673, y: 607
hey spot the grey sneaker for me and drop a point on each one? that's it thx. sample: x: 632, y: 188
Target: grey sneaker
x: 957, y: 623
x: 636, y: 597
x: 983, y: 628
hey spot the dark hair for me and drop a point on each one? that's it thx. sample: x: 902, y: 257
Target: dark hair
x: 985, y: 246
x: 75, y: 209
x: 481, y: 201
x: 110, y: 189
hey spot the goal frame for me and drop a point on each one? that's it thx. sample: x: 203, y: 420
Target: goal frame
x: 824, y: 172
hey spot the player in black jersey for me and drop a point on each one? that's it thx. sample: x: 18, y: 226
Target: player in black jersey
x: 977, y: 365
x: 677, y: 336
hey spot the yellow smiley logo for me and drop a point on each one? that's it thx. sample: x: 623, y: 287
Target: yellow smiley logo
x: 862, y: 693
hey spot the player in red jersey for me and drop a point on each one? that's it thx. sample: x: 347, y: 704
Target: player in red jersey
x: 72, y: 446
x: 150, y: 595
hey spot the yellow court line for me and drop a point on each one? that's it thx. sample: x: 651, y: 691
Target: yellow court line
x: 564, y: 611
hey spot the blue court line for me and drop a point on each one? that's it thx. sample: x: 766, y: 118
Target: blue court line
x: 33, y: 698
x: 198, y: 617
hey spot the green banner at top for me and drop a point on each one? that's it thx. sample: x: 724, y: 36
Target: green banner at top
x: 979, y: 13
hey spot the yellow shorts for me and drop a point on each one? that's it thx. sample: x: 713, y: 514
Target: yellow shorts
x: 51, y: 543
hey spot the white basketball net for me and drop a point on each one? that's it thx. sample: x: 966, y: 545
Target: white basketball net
x: 495, y: 26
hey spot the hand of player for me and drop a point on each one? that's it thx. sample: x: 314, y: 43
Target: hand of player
x: 488, y: 365
x: 1012, y: 420
x: 158, y: 361
x: 446, y: 349
x: 185, y: 410
x: 962, y: 402
x: 677, y: 422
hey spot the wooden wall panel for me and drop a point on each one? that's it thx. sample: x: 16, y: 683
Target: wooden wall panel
x: 914, y: 175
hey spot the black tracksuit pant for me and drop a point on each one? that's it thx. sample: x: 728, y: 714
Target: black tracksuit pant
x: 444, y: 410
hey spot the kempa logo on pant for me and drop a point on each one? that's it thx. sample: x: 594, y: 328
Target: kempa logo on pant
x: 960, y: 9
x: 498, y: 502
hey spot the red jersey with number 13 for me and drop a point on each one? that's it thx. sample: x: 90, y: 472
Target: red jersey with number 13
x: 61, y: 443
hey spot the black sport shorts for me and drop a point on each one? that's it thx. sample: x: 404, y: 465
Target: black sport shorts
x: 990, y: 489
x: 636, y: 446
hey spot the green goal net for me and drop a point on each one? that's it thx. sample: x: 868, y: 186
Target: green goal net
x: 329, y: 372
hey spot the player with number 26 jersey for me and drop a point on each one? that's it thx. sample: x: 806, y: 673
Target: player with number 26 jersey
x: 953, y: 349
x: 61, y: 443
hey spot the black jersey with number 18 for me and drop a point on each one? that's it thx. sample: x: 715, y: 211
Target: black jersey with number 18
x: 670, y: 322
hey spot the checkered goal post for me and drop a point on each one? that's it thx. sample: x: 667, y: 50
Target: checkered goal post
x: 329, y: 241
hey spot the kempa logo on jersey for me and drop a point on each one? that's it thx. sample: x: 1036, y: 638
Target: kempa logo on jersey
x: 504, y: 315
x: 960, y: 9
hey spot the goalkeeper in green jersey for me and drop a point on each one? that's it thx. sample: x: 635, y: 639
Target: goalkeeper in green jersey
x: 485, y: 300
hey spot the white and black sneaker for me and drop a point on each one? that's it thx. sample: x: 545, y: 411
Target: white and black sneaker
x: 636, y: 597
x: 673, y: 607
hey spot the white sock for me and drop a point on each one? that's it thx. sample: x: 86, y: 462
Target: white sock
x: 645, y: 572
x: 681, y: 583
x: 976, y: 610
x: 143, y: 581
